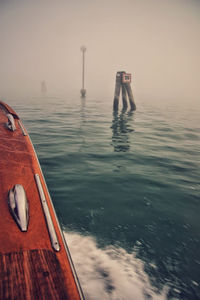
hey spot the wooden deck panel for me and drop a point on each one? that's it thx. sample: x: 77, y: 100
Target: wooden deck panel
x: 32, y: 274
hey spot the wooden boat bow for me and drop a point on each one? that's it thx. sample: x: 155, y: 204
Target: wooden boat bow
x: 34, y: 264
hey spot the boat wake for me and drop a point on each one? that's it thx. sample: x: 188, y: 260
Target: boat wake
x: 109, y: 273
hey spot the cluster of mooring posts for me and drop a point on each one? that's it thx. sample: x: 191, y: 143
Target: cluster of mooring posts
x: 123, y: 81
x: 83, y: 90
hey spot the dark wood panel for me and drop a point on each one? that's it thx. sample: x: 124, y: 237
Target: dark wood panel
x: 32, y: 274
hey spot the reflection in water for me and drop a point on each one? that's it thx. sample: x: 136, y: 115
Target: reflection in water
x: 82, y: 123
x: 121, y: 127
x: 82, y: 110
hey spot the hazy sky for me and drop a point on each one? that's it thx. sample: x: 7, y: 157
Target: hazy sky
x: 158, y: 41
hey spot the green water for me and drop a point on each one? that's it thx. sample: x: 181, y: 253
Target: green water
x: 126, y: 190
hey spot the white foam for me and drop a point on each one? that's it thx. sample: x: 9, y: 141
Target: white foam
x: 110, y: 273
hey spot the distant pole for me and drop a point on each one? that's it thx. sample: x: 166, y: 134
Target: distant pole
x: 43, y: 88
x: 83, y: 90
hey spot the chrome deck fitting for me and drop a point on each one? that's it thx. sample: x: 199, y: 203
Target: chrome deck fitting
x: 22, y: 128
x: 11, y: 122
x: 18, y: 206
x: 50, y: 226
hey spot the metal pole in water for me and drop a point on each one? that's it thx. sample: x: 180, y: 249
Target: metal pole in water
x: 83, y: 90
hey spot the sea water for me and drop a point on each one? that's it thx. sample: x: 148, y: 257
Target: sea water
x: 126, y: 190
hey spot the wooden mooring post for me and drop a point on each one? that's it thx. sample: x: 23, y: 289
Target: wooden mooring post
x: 124, y: 97
x: 123, y: 81
x: 117, y: 91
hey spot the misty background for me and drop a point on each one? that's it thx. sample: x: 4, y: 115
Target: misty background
x: 158, y: 41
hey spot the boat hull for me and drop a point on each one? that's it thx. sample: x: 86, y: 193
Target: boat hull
x: 30, y: 265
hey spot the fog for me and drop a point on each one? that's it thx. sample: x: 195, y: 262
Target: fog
x: 155, y: 40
